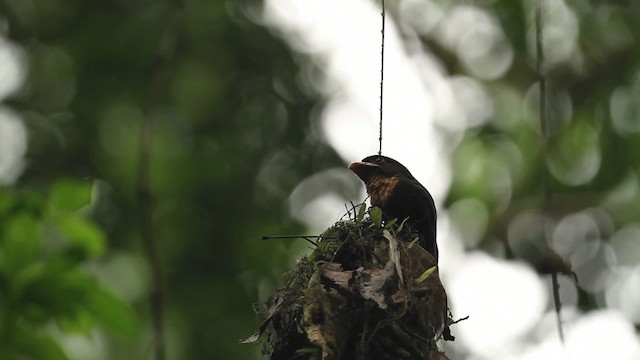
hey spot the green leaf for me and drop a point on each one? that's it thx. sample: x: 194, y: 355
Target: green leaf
x: 6, y: 200
x: 376, y: 215
x: 29, y: 345
x: 115, y: 315
x: 34, y: 314
x: 68, y: 196
x: 309, y: 350
x: 25, y: 277
x: 413, y: 242
x: 83, y: 234
x: 402, y: 225
x: 79, y: 322
x: 362, y: 210
x: 426, y: 274
x: 21, y: 241
x: 389, y: 224
x: 58, y: 292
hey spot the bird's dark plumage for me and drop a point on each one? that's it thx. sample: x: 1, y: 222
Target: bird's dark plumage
x: 392, y: 188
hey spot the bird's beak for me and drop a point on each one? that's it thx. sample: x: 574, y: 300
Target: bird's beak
x: 363, y: 169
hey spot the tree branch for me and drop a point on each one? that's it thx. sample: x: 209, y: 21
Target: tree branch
x: 145, y: 195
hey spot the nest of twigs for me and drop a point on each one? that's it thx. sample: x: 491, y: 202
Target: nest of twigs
x: 367, y: 291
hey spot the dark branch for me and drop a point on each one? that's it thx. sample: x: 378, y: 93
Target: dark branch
x: 145, y: 195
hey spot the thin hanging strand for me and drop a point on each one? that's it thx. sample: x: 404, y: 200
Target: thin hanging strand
x: 540, y: 70
x: 544, y: 130
x: 381, y: 81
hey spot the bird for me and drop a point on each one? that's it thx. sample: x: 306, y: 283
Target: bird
x: 392, y: 188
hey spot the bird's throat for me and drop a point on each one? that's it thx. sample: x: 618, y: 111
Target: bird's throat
x: 379, y: 189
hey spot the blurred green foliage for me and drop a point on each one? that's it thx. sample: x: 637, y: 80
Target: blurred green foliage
x: 232, y: 138
x: 46, y: 240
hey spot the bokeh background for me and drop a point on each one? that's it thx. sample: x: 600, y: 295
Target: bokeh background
x: 257, y: 108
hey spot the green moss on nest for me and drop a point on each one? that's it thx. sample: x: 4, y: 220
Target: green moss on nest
x: 366, y: 292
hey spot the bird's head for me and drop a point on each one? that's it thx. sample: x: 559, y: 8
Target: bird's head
x: 378, y: 165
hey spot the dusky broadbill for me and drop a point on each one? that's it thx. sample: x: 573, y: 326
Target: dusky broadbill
x: 392, y: 188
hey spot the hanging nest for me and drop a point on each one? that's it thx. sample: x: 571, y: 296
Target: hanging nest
x: 367, y: 291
